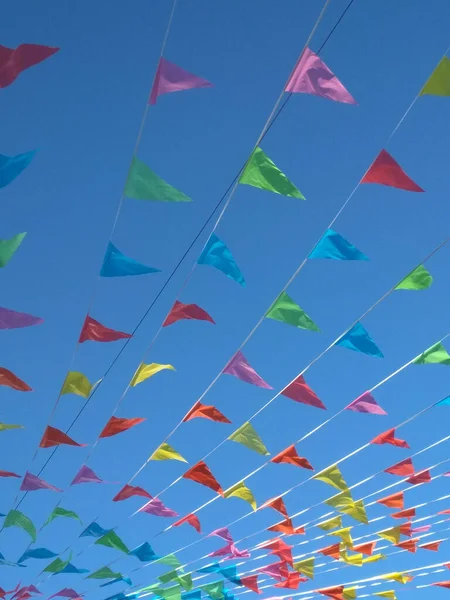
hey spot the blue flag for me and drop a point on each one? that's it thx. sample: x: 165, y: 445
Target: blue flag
x: 218, y: 255
x: 359, y: 340
x: 12, y: 166
x: 335, y: 247
x: 36, y: 553
x: 127, y: 580
x: 94, y: 530
x: 70, y: 568
x: 116, y: 264
x: 144, y: 553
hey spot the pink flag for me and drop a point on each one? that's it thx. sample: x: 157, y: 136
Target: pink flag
x: 15, y: 60
x: 66, y: 593
x: 386, y: 171
x: 312, y: 76
x: 172, y: 78
x: 10, y: 319
x: 223, y: 533
x: 422, y: 529
x: 235, y: 553
x: 239, y: 367
x: 31, y: 483
x: 8, y: 474
x: 366, y: 403
x: 86, y: 475
x: 157, y: 508
x: 222, y: 551
x: 277, y: 570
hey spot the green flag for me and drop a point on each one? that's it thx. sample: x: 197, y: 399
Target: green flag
x: 170, y: 560
x: 112, y: 540
x: 214, y: 590
x: 437, y: 354
x: 169, y: 576
x: 438, y: 83
x: 284, y: 309
x: 8, y: 247
x: 171, y: 593
x: 262, y: 173
x: 247, y: 436
x: 57, y: 565
x: 185, y: 580
x: 143, y: 184
x: 17, y: 519
x: 419, y: 279
x: 104, y: 573
x: 61, y: 512
x: 6, y: 426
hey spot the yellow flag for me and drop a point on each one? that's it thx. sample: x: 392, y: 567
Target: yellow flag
x: 247, y: 436
x: 352, y: 559
x: 145, y: 371
x: 399, y: 577
x: 305, y: 567
x: 344, y: 498
x: 345, y: 536
x: 356, y: 510
x: 349, y: 593
x: 330, y: 523
x: 77, y: 383
x: 373, y: 558
x: 332, y: 476
x: 240, y: 490
x: 387, y: 594
x: 392, y: 534
x: 166, y: 452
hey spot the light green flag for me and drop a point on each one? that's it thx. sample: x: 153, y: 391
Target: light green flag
x: 214, y: 590
x: 284, y: 309
x: 419, y: 279
x: 437, y: 354
x: 57, y: 565
x: 169, y: 576
x: 8, y: 247
x: 171, y: 593
x: 112, y: 540
x: 17, y: 519
x: 438, y: 83
x: 6, y: 426
x: 262, y: 173
x: 185, y: 580
x: 61, y: 512
x: 77, y: 383
x: 170, y: 560
x: 104, y: 573
x: 247, y: 436
x: 143, y: 184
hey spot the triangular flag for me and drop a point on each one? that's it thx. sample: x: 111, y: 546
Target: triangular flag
x: 157, y: 508
x: 276, y: 570
x: 408, y: 513
x: 11, y: 319
x: 15, y: 518
x: 240, y: 490
x: 444, y: 584
x: 250, y: 582
x: 222, y: 532
x: 374, y: 558
x: 388, y: 437
x: 285, y: 310
x: 277, y: 504
x: 202, y: 411
x: 345, y: 535
x: 172, y: 78
x: 131, y: 490
x: 280, y: 549
x: 312, y: 76
x: 216, y: 254
x: 200, y: 473
x: 96, y: 332
x: 112, y: 540
x: 180, y: 311
x: 12, y: 166
x: 76, y: 383
x: 421, y: 477
x: 408, y: 545
x: 438, y: 84
x: 357, y: 511
x: 358, y: 339
x: 292, y: 582
x: 86, y: 475
x: 8, y: 379
x: 240, y: 367
x: 191, y: 520
x: 117, y: 425
x: 436, y: 354
x: 366, y: 403
x: 386, y: 171
x: 333, y: 246
x: 387, y: 594
x: 214, y: 590
x: 248, y: 437
x: 305, y: 567
x: 344, y: 498
x: 55, y: 437
x: 333, y: 592
x: 366, y: 548
x: 300, y: 391
x: 15, y: 60
x: 104, y: 573
x: 146, y: 371
x: 9, y: 247
x: 290, y: 457
x: 403, y: 468
x: 32, y: 483
x: 144, y: 553
x: 393, y: 501
x: 262, y: 173
x: 399, y: 577
x: 332, y: 476
x: 144, y: 184
x: 57, y: 565
x: 418, y: 279
x: 285, y: 527
x: 58, y: 511
x: 333, y: 551
x: 434, y: 546
x: 166, y: 452
x: 392, y: 534
x: 66, y: 593
x: 116, y: 264
x: 9, y: 474
x: 352, y: 559
x: 330, y: 524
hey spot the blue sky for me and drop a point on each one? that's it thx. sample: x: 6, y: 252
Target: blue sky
x: 81, y: 109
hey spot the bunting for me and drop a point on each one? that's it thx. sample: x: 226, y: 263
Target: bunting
x: 366, y: 403
x: 112, y: 540
x: 104, y: 573
x: 11, y: 319
x: 131, y: 490
x: 146, y: 371
x: 240, y: 490
x: 94, y: 530
x: 392, y: 534
x: 56, y: 437
x: 356, y: 510
x: 143, y: 184
x: 418, y: 279
x: 330, y: 524
x: 248, y: 437
x: 156, y: 507
x: 15, y: 60
x: 436, y: 354
x: 393, y: 501
x: 39, y: 553
x: 94, y: 331
x: 386, y: 171
x: 166, y: 452
x: 358, y: 339
x: 421, y: 477
x: 290, y: 457
x: 202, y: 411
x: 15, y: 518
x: 277, y: 504
x: 117, y: 425
x: 217, y: 255
x: 180, y: 311
x: 77, y: 383
x: 438, y: 84
x: 200, y: 473
x: 239, y: 367
x: 116, y: 264
x: 332, y: 476
x: 388, y: 437
x: 31, y: 483
x: 403, y: 468
x: 8, y: 379
x: 191, y: 519
x: 12, y: 166
x: 334, y: 247
x: 172, y: 78
x: 86, y: 475
x: 59, y: 511
x: 144, y: 553
x: 367, y: 548
x: 285, y: 310
x: 305, y: 567
x: 299, y: 391
x: 9, y: 247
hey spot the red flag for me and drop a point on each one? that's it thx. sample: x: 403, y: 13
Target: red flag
x: 434, y: 546
x: 334, y: 592
x: 393, y: 501
x: 116, y: 425
x: 283, y: 527
x: 292, y: 582
x: 409, y: 513
x: 367, y: 548
x: 191, y: 520
x: 421, y: 477
x: 386, y: 171
x: 202, y: 411
x: 250, y: 582
x: 405, y: 529
x: 409, y: 545
x: 388, y: 437
x: 96, y: 332
x: 8, y: 474
x: 15, y: 60
x: 444, y: 584
x: 447, y: 565
x: 181, y: 311
x: 8, y: 378
x: 291, y: 457
x: 277, y: 504
x: 55, y: 437
x: 280, y: 549
x: 404, y: 467
x: 200, y: 473
x: 444, y: 512
x: 300, y: 391
x: 131, y: 490
x: 332, y: 551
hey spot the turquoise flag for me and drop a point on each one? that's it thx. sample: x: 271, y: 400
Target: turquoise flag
x: 217, y: 254
x: 333, y: 246
x: 116, y: 264
x: 359, y: 340
x: 12, y: 166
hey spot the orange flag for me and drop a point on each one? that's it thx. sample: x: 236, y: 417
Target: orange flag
x: 202, y: 411
x: 388, y: 437
x: 431, y: 546
x: 55, y: 437
x: 444, y: 584
x: 291, y: 457
x: 280, y: 549
x: 332, y: 551
x: 393, y: 501
x: 333, y: 592
x: 292, y: 582
x: 283, y: 527
x: 421, y: 477
x: 250, y: 582
x: 404, y: 467
x: 367, y: 548
x: 191, y: 520
x: 409, y: 545
x: 405, y: 529
x: 200, y: 473
x: 8, y: 379
x: 409, y: 513
x: 276, y: 504
x: 116, y: 425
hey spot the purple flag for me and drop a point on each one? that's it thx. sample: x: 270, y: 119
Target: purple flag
x: 223, y: 533
x: 366, y: 403
x: 312, y: 76
x: 157, y: 508
x: 10, y: 319
x: 172, y: 78
x: 31, y: 483
x: 86, y: 475
x: 66, y: 593
x: 240, y: 368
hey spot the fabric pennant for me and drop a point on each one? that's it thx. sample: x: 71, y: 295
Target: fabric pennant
x: 96, y: 332
x: 222, y: 532
x: 357, y: 511
x: 12, y: 166
x: 386, y: 171
x: 240, y: 490
x: 15, y: 518
x: 86, y: 475
x: 56, y: 437
x: 117, y: 425
x: 144, y: 553
x: 116, y: 264
x: 332, y: 476
x: 330, y: 524
x: 248, y: 437
x: 299, y: 391
x: 191, y: 519
x: 366, y: 403
x: 366, y: 548
x: 421, y: 477
x: 166, y: 452
x: 31, y: 483
x: 388, y: 437
x: 418, y: 279
x: 15, y: 60
x: 408, y: 513
x: 94, y: 530
x: 285, y: 310
x: 180, y: 311
x: 277, y: 504
x: 143, y: 184
x: 334, y: 247
x: 77, y: 383
x: 340, y: 500
x: 9, y: 247
x: 146, y: 371
x: 358, y: 339
x: 9, y: 474
x: 438, y: 84
x: 345, y: 534
x: 240, y: 367
x: 217, y: 255
x: 306, y: 567
x: 172, y: 78
x: 333, y: 551
x: 436, y: 354
x: 312, y: 76
x: 104, y: 573
x: 250, y: 582
x: 292, y: 582
x: 200, y: 473
x: 11, y: 319
x: 112, y: 540
x: 202, y: 411
x: 434, y: 546
x: 157, y: 508
x: 59, y: 511
x: 403, y: 468
x: 65, y: 593
x: 8, y: 379
x: 262, y: 173
x: 393, y: 501
x: 290, y: 457
x: 39, y: 553
x: 392, y: 534
x: 131, y: 490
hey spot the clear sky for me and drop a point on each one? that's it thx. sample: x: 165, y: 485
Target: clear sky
x: 81, y: 109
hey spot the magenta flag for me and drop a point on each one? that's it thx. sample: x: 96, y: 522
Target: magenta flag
x: 86, y: 475
x: 157, y: 508
x: 66, y: 593
x: 10, y: 319
x: 31, y: 483
x: 15, y: 60
x: 235, y: 553
x: 366, y: 403
x: 312, y: 76
x: 224, y: 533
x: 172, y: 78
x: 239, y: 367
x: 228, y: 549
